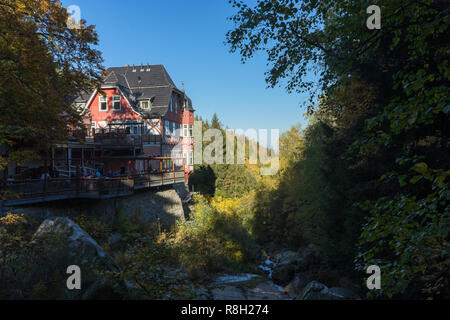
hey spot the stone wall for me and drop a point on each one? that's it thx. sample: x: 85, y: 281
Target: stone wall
x: 163, y: 204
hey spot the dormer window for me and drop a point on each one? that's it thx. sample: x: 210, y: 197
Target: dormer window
x: 144, y: 104
x: 80, y: 105
x: 116, y: 103
x: 103, y: 103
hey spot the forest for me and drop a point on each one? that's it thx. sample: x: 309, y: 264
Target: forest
x: 367, y: 179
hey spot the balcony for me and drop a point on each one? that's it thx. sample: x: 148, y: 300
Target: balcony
x: 168, y: 139
x: 147, y: 138
x: 119, y: 138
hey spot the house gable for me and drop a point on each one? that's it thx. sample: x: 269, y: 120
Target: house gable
x: 126, y: 112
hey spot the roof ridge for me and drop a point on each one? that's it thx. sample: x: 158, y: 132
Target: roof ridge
x: 167, y: 76
x: 151, y: 87
x: 128, y: 84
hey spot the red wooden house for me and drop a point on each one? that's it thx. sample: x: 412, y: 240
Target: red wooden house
x: 139, y: 112
x: 137, y: 134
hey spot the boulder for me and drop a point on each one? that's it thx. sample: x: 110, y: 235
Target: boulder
x: 318, y: 291
x: 266, y: 291
x: 287, y: 257
x: 201, y: 293
x: 238, y: 278
x: 283, y: 273
x: 310, y: 256
x: 297, y: 284
x: 288, y: 263
x: 114, y: 239
x: 227, y: 293
x: 346, y: 293
x: 65, y: 244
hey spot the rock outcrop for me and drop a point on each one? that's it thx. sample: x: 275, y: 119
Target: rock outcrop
x: 318, y: 291
x: 288, y: 263
x: 162, y: 206
x: 246, y: 287
x: 73, y: 246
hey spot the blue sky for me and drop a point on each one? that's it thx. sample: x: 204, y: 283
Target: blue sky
x: 188, y: 37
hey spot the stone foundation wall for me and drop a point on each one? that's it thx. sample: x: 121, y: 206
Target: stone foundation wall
x: 163, y: 204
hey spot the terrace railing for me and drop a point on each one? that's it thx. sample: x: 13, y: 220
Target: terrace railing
x: 50, y: 189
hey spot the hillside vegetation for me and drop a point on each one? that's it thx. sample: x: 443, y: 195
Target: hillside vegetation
x: 367, y: 180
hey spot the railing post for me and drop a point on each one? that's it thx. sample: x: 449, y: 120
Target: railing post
x: 45, y: 185
x: 100, y: 187
x: 78, y: 181
x: 160, y: 169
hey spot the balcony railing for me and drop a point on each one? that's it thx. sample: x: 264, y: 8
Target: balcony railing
x: 49, y: 189
x: 148, y: 138
x: 117, y: 138
x: 169, y: 139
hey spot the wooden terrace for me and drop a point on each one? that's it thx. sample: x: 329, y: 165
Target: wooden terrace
x: 22, y: 192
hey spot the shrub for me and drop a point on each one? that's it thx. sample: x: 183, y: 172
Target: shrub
x: 95, y: 227
x: 125, y: 223
x: 144, y: 268
x: 408, y: 238
x: 29, y: 269
x: 213, y: 241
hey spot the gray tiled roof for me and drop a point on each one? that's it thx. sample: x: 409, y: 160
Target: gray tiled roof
x: 83, y: 96
x: 157, y: 76
x: 143, y: 82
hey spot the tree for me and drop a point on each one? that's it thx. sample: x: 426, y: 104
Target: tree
x: 215, y: 123
x: 44, y: 65
x: 380, y: 132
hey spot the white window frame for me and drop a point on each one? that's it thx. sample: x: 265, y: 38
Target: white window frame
x: 177, y: 129
x: 148, y: 104
x: 93, y: 126
x: 80, y: 105
x: 166, y: 128
x: 120, y: 102
x: 171, y: 127
x: 100, y: 98
x: 134, y: 127
x: 185, y: 130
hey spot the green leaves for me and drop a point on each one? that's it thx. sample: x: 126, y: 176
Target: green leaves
x: 383, y: 98
x: 44, y: 64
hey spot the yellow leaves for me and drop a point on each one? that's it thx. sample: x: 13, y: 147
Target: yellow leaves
x: 421, y: 167
x: 226, y: 205
x: 438, y: 176
x: 238, y: 256
x: 13, y: 219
